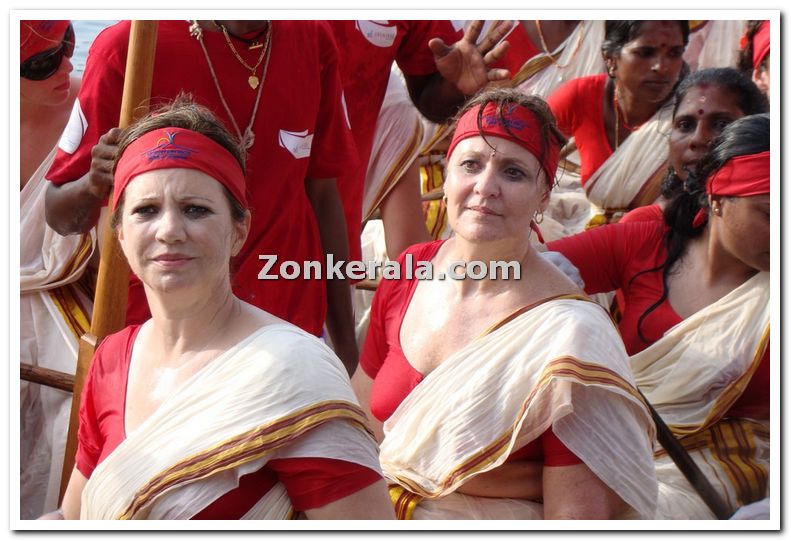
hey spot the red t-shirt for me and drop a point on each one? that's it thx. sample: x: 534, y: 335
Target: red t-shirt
x: 520, y: 49
x: 611, y: 257
x: 300, y: 132
x: 310, y: 482
x: 577, y: 106
x: 394, y: 377
x: 367, y: 51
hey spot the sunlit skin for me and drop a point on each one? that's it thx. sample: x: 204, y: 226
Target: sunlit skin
x: 177, y: 233
x: 646, y: 71
x: 44, y: 109
x: 701, y: 115
x: 742, y: 229
x: 494, y: 191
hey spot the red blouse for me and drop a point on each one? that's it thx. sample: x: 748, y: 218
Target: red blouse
x: 394, y: 377
x: 578, y: 109
x: 613, y: 257
x: 310, y: 482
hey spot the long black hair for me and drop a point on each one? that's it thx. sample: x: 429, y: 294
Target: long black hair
x: 747, y: 135
x: 746, y: 94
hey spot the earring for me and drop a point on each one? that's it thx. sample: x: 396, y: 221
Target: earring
x: 538, y: 217
x: 445, y: 199
x: 716, y: 210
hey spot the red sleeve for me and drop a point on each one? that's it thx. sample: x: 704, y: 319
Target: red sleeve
x: 414, y: 56
x: 98, y: 104
x: 375, y: 346
x: 604, y: 255
x: 89, y: 443
x: 333, y: 150
x: 315, y: 482
x: 643, y: 214
x: 555, y: 453
x: 563, y: 102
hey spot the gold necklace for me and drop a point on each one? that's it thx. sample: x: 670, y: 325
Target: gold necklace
x: 248, y: 138
x: 253, y: 80
x: 546, y: 48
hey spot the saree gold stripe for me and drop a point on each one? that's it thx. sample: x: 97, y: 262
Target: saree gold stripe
x: 436, y: 211
x: 74, y: 313
x: 83, y: 251
x: 566, y: 368
x: 404, y: 502
x: 244, y: 448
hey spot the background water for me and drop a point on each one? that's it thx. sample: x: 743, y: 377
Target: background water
x: 85, y: 32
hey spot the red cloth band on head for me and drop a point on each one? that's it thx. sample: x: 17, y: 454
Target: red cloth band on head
x: 741, y: 176
x: 177, y: 148
x: 760, y: 44
x: 38, y: 36
x: 523, y: 128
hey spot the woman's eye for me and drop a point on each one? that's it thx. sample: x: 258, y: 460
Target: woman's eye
x: 720, y: 124
x: 145, y: 210
x: 469, y: 165
x: 684, y: 125
x: 196, y: 210
x: 514, y: 173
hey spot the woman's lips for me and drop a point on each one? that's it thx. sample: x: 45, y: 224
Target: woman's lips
x: 483, y: 210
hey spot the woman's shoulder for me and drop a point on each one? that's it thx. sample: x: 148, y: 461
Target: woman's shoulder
x: 422, y: 251
x: 114, y: 351
x: 586, y: 85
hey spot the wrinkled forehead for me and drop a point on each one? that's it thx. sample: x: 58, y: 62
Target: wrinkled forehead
x: 176, y: 183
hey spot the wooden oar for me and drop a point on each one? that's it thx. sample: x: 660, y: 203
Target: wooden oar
x: 112, y: 285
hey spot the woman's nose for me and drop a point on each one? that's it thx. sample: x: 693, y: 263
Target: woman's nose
x: 486, y: 182
x: 170, y: 227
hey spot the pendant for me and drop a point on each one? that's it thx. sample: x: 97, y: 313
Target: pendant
x: 255, y: 45
x: 253, y: 82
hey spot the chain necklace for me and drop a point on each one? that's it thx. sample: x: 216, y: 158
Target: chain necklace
x: 546, y: 48
x: 248, y: 138
x: 253, y: 80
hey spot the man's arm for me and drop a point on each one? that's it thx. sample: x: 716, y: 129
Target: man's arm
x: 326, y: 203
x: 462, y: 70
x: 74, y: 207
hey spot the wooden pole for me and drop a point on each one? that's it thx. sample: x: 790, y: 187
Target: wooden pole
x: 112, y: 285
x: 46, y: 376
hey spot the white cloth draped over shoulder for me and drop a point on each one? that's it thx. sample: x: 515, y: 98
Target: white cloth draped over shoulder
x: 716, y: 45
x: 692, y: 376
x: 54, y: 313
x: 279, y: 393
x: 632, y: 175
x: 558, y: 364
x: 579, y: 55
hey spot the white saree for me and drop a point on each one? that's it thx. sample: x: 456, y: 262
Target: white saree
x: 692, y: 376
x: 558, y: 364
x: 54, y: 313
x: 279, y: 393
x: 632, y: 175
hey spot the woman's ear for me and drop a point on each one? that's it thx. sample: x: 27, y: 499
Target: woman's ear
x: 240, y: 230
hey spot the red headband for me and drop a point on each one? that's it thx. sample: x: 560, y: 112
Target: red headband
x: 177, y: 148
x: 38, y: 36
x: 742, y: 176
x: 761, y: 44
x: 523, y: 128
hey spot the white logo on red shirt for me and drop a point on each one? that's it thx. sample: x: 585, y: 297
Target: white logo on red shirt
x: 74, y: 130
x: 377, y: 32
x: 297, y: 143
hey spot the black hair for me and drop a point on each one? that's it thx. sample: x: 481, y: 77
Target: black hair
x: 619, y: 33
x: 747, y: 135
x: 746, y: 94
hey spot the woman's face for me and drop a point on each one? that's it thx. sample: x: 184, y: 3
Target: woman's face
x: 742, y: 228
x: 648, y: 67
x: 701, y: 115
x: 53, y: 90
x: 177, y: 231
x: 494, y: 193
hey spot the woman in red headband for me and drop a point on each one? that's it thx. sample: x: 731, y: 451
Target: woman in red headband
x: 499, y: 393
x: 46, y: 89
x: 754, y: 54
x: 697, y: 314
x: 213, y: 408
x: 52, y: 299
